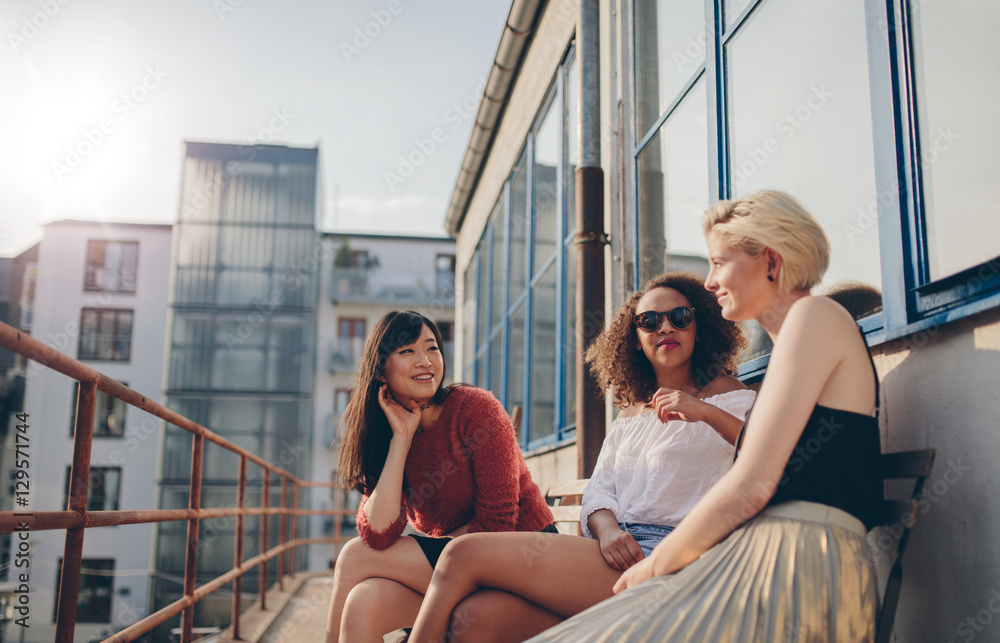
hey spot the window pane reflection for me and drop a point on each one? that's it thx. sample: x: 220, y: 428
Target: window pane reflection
x: 956, y: 55
x: 515, y: 368
x: 548, y: 153
x: 518, y: 231
x: 669, y: 49
x: 673, y: 190
x: 800, y: 121
x: 543, y: 356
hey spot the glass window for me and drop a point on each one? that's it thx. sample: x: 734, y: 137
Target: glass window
x: 673, y: 190
x: 515, y: 361
x: 669, y: 49
x: 498, y: 226
x: 469, y: 316
x: 541, y: 419
x: 955, y: 55
x: 97, y: 584
x: 548, y: 157
x: 800, y: 121
x: 444, y: 276
x: 733, y: 10
x: 103, y: 488
x: 518, y: 232
x: 111, y: 266
x: 109, y: 414
x: 105, y: 334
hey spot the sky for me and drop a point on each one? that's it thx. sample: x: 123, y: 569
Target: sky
x: 98, y: 97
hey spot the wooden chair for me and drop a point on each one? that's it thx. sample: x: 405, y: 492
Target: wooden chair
x: 901, y: 517
x: 565, y: 498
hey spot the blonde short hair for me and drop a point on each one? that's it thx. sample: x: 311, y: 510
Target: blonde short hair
x: 775, y: 220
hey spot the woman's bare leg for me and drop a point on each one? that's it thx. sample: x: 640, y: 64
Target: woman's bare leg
x: 403, y: 562
x: 563, y: 574
x: 495, y: 616
x: 376, y: 606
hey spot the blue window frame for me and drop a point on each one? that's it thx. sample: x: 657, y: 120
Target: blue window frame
x: 518, y: 331
x: 895, y: 114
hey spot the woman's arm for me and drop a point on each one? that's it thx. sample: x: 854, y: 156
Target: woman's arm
x: 814, y: 340
x: 383, y: 506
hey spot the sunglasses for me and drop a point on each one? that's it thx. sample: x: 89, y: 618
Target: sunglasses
x: 651, y: 320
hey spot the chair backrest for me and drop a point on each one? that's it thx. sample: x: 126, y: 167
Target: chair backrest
x: 565, y: 498
x: 900, y: 516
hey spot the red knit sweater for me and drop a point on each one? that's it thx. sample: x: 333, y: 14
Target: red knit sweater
x: 464, y: 469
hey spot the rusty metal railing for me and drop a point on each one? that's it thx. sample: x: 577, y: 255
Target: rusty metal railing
x: 76, y: 519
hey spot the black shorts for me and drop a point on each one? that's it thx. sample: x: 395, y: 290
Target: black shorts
x: 432, y: 547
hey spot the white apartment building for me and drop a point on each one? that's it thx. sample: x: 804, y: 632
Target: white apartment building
x: 101, y: 297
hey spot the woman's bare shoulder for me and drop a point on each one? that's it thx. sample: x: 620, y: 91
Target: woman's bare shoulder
x: 723, y: 384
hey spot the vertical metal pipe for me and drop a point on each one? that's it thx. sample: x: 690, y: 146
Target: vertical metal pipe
x: 282, y: 525
x: 265, y: 496
x: 191, y: 557
x: 69, y: 579
x: 295, y: 529
x: 590, y: 238
x: 241, y: 502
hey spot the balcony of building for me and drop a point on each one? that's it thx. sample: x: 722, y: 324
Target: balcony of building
x: 374, y: 285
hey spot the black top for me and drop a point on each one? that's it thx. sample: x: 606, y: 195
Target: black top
x: 837, y: 461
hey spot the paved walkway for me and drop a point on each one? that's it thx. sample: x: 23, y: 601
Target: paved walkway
x: 304, y: 617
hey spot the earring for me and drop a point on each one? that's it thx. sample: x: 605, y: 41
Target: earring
x: 770, y: 278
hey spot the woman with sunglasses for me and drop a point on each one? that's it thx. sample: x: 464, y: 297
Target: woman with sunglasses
x: 775, y: 551
x: 666, y: 358
x: 444, y: 457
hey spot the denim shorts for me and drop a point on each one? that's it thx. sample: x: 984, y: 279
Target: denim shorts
x: 646, y: 535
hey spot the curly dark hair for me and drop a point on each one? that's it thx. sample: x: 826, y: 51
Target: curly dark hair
x: 617, y: 363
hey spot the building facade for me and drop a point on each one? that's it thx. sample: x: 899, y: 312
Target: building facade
x: 96, y: 292
x: 241, y: 347
x: 873, y: 114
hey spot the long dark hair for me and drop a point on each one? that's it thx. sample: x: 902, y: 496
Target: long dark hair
x: 617, y: 363
x: 364, y: 428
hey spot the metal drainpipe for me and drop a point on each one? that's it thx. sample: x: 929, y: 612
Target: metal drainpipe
x: 590, y: 238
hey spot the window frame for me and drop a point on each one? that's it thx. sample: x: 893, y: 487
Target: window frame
x: 483, y: 259
x: 101, y: 396
x: 117, y: 314
x: 921, y: 304
x: 89, y: 617
x: 88, y: 286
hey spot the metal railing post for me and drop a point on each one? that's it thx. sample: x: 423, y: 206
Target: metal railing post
x: 264, y: 501
x: 191, y: 558
x: 295, y: 529
x: 282, y: 523
x: 79, y: 486
x: 241, y: 501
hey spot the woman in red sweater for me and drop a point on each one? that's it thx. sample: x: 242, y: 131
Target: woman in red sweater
x: 445, y: 457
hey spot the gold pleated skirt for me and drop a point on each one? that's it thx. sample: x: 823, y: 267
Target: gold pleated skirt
x: 797, y: 572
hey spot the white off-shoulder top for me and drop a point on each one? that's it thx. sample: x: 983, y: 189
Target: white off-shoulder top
x: 654, y: 472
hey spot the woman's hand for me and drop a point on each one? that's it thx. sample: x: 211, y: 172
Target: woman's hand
x: 671, y: 404
x: 404, y: 422
x: 636, y: 574
x: 619, y: 548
